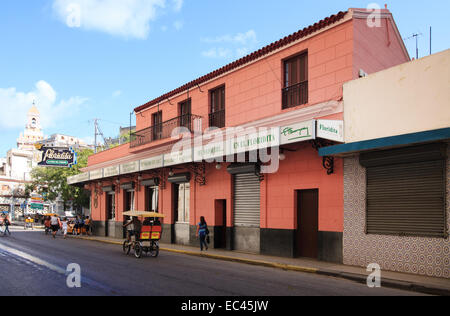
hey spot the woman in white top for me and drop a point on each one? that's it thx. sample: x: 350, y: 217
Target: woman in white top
x: 64, y: 227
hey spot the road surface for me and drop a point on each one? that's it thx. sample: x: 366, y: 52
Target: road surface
x: 32, y: 263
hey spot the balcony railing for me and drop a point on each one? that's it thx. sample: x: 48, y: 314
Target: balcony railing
x: 295, y: 95
x: 217, y: 119
x: 165, y: 129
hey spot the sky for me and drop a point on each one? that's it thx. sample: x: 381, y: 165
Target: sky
x: 86, y: 59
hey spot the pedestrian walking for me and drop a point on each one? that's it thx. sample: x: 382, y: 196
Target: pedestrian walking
x: 55, y: 224
x: 47, y: 224
x: 202, y: 233
x: 87, y: 225
x: 64, y: 227
x: 7, y: 223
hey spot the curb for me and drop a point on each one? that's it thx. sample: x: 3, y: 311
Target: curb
x: 390, y: 283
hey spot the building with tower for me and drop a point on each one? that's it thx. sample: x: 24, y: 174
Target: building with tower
x: 33, y: 131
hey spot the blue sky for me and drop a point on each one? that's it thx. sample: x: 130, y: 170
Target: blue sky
x: 122, y: 53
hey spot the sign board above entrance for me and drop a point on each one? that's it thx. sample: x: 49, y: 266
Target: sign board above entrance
x: 298, y: 132
x: 332, y: 130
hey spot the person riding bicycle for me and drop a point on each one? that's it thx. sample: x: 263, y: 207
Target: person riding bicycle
x: 134, y: 228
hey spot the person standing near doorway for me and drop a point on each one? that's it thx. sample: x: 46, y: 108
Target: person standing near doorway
x: 202, y: 232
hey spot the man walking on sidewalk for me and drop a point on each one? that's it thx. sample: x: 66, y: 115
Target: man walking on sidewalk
x: 7, y: 223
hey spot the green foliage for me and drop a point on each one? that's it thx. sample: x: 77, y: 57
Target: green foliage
x: 51, y: 183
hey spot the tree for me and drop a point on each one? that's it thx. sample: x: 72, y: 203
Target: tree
x: 51, y: 183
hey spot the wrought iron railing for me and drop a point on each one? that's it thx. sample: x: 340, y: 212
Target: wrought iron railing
x: 165, y: 129
x: 217, y: 119
x: 295, y: 95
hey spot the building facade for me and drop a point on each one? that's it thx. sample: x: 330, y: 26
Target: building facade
x: 397, y: 168
x: 263, y: 188
x: 60, y: 140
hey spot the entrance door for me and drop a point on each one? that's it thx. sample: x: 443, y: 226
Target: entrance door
x: 151, y: 199
x: 220, y: 233
x: 111, y: 213
x: 307, y: 223
x: 182, y: 214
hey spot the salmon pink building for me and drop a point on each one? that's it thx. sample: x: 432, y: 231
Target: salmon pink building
x: 257, y: 177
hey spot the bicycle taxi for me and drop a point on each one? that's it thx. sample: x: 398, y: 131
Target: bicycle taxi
x: 150, y: 235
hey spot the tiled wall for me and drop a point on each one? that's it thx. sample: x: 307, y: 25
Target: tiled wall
x: 418, y: 255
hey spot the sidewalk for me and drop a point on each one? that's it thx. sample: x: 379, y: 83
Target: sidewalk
x: 403, y: 281
x: 22, y: 224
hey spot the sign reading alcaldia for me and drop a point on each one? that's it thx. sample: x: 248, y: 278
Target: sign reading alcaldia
x: 57, y: 157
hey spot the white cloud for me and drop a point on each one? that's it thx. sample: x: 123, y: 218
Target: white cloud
x: 117, y: 93
x: 246, y: 38
x: 178, y: 25
x: 125, y: 18
x: 177, y: 5
x: 14, y: 106
x: 218, y: 53
x: 241, y: 44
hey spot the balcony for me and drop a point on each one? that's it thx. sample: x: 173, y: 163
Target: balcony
x: 165, y: 129
x: 217, y: 119
x: 295, y: 95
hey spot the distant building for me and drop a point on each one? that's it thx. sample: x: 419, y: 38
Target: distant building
x: 15, y: 169
x: 60, y: 140
x: 33, y: 132
x: 123, y: 137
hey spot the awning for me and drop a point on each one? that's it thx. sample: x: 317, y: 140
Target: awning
x: 387, y: 143
x: 110, y: 188
x: 243, y: 168
x: 127, y: 186
x: 180, y: 178
x: 150, y: 183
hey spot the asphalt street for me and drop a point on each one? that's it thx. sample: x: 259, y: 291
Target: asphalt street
x: 32, y: 263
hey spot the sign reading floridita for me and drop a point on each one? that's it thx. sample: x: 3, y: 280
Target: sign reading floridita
x: 216, y: 144
x: 332, y: 130
x: 56, y: 157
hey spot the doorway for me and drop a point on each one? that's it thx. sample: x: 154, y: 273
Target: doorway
x: 307, y: 233
x: 220, y: 231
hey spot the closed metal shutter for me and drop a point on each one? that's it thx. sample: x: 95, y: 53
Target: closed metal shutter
x: 247, y: 198
x: 406, y: 198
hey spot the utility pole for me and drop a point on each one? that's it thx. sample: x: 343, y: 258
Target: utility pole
x: 98, y: 132
x: 416, y: 36
x: 95, y: 133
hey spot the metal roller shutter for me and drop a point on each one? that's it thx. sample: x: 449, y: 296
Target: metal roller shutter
x: 247, y: 200
x: 407, y: 198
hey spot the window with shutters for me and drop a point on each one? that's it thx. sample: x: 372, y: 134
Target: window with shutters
x: 184, y: 112
x: 217, y: 107
x: 295, y: 89
x: 406, y: 191
x: 157, y: 125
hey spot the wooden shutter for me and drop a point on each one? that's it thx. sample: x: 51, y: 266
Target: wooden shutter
x: 406, y: 191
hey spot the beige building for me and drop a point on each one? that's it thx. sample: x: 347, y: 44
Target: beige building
x: 397, y: 168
